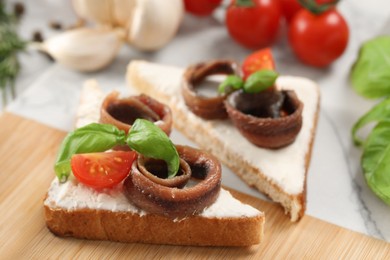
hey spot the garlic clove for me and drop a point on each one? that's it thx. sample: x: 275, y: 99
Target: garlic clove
x: 154, y: 23
x: 122, y: 11
x: 100, y: 12
x: 85, y: 49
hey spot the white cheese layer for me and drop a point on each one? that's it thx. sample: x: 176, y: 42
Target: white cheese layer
x: 284, y: 167
x: 91, y: 99
x: 73, y: 195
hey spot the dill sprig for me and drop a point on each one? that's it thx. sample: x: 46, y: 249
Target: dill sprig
x: 10, y: 45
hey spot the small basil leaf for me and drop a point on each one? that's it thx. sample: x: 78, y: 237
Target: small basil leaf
x: 90, y: 138
x: 232, y: 82
x: 380, y: 112
x: 260, y: 80
x: 149, y: 140
x: 370, y: 75
x: 375, y: 161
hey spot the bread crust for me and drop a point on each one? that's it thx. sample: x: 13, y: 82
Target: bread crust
x: 130, y: 227
x: 294, y: 204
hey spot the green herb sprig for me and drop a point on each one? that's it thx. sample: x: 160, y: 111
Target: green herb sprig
x: 10, y: 45
x: 370, y: 77
x: 144, y: 137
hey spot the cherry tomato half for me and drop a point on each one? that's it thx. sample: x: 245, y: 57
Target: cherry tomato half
x: 318, y: 40
x: 256, y: 26
x: 102, y: 170
x: 201, y: 7
x: 258, y: 60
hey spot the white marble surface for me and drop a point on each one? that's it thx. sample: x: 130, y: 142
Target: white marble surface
x: 337, y: 192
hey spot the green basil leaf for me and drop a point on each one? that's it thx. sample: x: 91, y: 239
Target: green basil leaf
x: 370, y: 75
x: 260, y: 80
x: 148, y: 139
x: 375, y: 161
x: 90, y: 138
x: 380, y: 112
x: 231, y: 83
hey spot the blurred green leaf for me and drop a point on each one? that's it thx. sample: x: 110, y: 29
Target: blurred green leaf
x: 10, y: 45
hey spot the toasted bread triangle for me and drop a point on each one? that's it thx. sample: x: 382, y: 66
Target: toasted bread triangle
x: 280, y: 174
x: 72, y: 209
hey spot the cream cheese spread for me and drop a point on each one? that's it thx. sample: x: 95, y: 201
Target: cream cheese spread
x: 73, y: 195
x: 90, y: 103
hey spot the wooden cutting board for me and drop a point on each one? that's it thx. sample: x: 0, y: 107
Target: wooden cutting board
x: 27, y: 154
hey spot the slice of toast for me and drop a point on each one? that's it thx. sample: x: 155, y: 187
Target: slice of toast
x: 73, y: 209
x: 280, y: 174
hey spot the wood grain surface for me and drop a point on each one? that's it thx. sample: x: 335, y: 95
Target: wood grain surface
x: 27, y: 154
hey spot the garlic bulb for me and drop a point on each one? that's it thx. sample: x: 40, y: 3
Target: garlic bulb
x: 154, y: 23
x: 98, y: 11
x: 85, y: 49
x: 150, y: 24
x: 123, y: 11
x: 145, y: 24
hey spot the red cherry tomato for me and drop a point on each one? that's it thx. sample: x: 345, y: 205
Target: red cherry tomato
x: 201, y: 7
x: 290, y: 8
x: 318, y: 40
x: 102, y: 170
x: 256, y: 26
x: 258, y: 60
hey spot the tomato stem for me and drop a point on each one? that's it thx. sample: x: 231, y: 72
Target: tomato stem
x: 245, y: 3
x: 316, y: 8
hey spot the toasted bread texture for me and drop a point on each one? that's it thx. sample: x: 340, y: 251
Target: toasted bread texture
x: 75, y: 210
x: 280, y: 174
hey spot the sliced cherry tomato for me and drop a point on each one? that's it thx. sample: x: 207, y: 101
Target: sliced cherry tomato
x: 201, y: 7
x: 320, y: 39
x: 102, y: 170
x: 258, y: 60
x: 254, y: 23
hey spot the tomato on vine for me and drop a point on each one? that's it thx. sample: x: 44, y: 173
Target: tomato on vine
x: 319, y: 34
x: 254, y: 23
